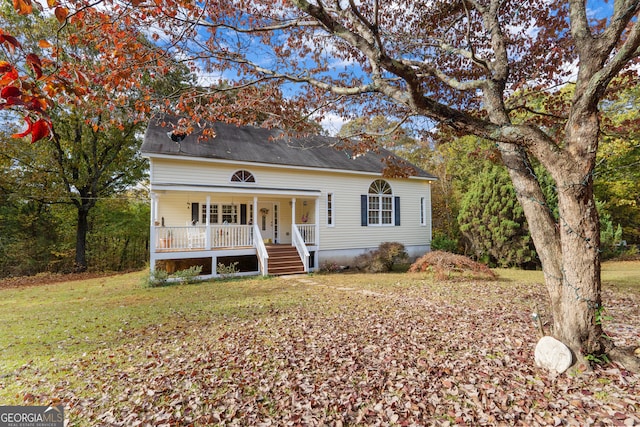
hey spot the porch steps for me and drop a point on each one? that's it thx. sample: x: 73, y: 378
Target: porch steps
x: 284, y: 259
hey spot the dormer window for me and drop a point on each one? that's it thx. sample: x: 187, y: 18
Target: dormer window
x: 242, y: 176
x: 176, y: 136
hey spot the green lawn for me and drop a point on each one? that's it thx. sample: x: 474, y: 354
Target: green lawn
x: 615, y: 274
x: 101, y: 345
x: 65, y: 320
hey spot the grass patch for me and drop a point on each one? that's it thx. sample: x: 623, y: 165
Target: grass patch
x: 66, y: 320
x: 623, y: 275
x: 520, y: 276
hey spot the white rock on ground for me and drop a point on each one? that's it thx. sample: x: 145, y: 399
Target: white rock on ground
x: 552, y: 354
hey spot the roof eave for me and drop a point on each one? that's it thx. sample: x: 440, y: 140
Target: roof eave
x: 270, y: 165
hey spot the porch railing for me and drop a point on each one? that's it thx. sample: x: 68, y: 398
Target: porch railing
x: 308, y: 233
x: 261, y: 249
x: 187, y: 237
x: 203, y: 237
x: 231, y: 236
x: 301, y: 246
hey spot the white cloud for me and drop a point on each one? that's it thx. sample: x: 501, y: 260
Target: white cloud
x: 332, y: 123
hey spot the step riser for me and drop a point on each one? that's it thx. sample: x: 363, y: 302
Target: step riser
x: 287, y: 272
x: 284, y: 260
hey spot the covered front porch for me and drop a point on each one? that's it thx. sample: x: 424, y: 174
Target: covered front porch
x: 210, y: 237
x: 200, y: 224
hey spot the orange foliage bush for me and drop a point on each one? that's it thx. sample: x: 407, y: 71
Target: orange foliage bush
x: 443, y: 264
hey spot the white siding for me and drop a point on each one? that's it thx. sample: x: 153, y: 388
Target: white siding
x: 347, y: 232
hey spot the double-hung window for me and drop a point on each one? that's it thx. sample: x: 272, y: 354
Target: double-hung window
x: 213, y: 214
x: 330, y: 210
x: 229, y: 214
x: 380, y: 203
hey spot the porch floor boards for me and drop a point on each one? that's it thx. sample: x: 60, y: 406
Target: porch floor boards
x: 220, y: 248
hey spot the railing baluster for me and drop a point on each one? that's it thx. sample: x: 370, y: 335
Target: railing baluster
x: 194, y: 237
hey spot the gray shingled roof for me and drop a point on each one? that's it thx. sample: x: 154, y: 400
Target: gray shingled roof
x: 260, y: 145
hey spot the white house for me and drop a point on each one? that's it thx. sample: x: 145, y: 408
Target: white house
x: 275, y: 204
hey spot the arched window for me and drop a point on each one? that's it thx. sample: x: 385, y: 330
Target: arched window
x: 380, y: 203
x: 242, y: 176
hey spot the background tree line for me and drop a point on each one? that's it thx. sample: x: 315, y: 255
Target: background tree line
x: 74, y: 200
x: 38, y: 237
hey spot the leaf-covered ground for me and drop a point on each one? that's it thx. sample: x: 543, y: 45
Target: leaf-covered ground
x: 347, y: 350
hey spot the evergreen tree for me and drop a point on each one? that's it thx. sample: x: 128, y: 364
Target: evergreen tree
x: 493, y: 221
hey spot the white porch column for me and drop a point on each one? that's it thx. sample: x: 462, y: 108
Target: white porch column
x: 152, y: 231
x: 154, y: 208
x: 254, y: 220
x: 293, y: 210
x: 207, y: 236
x: 317, y: 233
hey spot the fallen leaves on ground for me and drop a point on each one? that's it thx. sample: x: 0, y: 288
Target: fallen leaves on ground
x: 444, y: 264
x: 443, y: 354
x: 48, y: 279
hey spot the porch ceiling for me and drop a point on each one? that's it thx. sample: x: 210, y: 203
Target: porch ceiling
x: 159, y: 187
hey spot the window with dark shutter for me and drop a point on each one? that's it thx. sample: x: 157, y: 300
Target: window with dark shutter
x: 381, y: 205
x: 243, y: 214
x: 195, y: 213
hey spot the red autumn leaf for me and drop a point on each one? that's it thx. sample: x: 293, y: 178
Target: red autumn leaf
x: 23, y: 7
x: 34, y: 61
x: 82, y: 78
x: 35, y: 105
x: 26, y: 132
x: 11, y: 101
x: 38, y: 105
x: 9, y: 76
x: 61, y: 14
x: 11, y: 41
x: 39, y: 130
x: 10, y: 92
x: 5, y: 66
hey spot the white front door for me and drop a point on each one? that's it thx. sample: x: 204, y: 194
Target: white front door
x: 268, y: 221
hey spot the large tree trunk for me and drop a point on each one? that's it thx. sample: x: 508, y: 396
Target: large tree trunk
x: 568, y: 251
x: 542, y: 226
x: 575, y: 314
x: 575, y: 317
x: 570, y: 261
